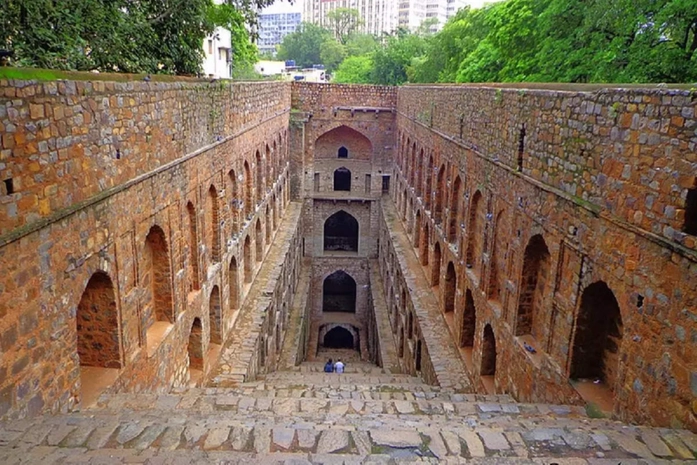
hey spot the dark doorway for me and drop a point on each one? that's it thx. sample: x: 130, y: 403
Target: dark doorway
x: 338, y: 338
x: 341, y: 233
x: 488, y: 367
x: 598, y: 336
x: 342, y: 179
x: 385, y: 184
x: 343, y: 152
x: 339, y: 293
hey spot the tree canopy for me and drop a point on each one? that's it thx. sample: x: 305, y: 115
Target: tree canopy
x: 343, y: 22
x: 547, y: 41
x: 137, y: 36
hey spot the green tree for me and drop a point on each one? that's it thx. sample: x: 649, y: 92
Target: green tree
x: 354, y: 70
x: 343, y: 22
x: 361, y: 44
x: 121, y: 35
x: 392, y: 63
x: 331, y: 53
x: 304, y: 45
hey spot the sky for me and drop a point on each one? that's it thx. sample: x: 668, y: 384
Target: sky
x: 297, y: 6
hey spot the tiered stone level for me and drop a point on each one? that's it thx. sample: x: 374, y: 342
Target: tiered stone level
x: 306, y: 416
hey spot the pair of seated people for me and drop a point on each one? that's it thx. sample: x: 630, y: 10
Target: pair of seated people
x: 331, y: 367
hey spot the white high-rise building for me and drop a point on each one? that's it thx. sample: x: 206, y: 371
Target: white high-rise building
x: 378, y: 16
x: 273, y: 27
x: 413, y: 12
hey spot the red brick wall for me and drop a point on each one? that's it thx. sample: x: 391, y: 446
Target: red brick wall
x: 78, y: 210
x: 604, y: 179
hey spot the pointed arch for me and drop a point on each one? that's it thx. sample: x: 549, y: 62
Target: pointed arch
x: 357, y: 146
x: 248, y: 190
x: 424, y: 244
x: 428, y: 197
x: 450, y: 289
x: 157, y: 279
x: 455, y: 200
x: 341, y: 232
x: 194, y: 350
x: 469, y: 321
x: 234, y: 284
x: 597, y: 336
x: 97, y: 321
x: 475, y: 232
x: 258, y: 241
x: 342, y: 179
x: 417, y: 228
x: 440, y: 193
x: 235, y: 201
x: 488, y: 364
x: 269, y: 164
x: 215, y: 317
x: 536, y: 261
x: 259, y: 167
x: 214, y: 221
x: 494, y: 288
x: 194, y: 282
x: 248, y: 265
x: 339, y: 293
x: 435, y: 266
x: 420, y: 174
x: 267, y: 225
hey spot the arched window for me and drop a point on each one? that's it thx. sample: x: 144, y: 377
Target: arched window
x: 214, y: 221
x: 215, y: 317
x: 488, y: 365
x: 475, y: 232
x: 435, y: 266
x: 156, y: 279
x: 195, y: 351
x: 259, y: 241
x: 535, y: 271
x: 343, y: 152
x: 248, y: 266
x: 450, y: 288
x: 455, y: 199
x: 341, y: 233
x: 598, y: 336
x: 194, y: 282
x: 469, y: 321
x: 339, y: 293
x: 440, y: 193
x: 342, y: 179
x: 233, y: 284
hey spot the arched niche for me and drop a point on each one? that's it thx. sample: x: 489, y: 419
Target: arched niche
x: 339, y: 293
x: 341, y: 232
x: 356, y: 145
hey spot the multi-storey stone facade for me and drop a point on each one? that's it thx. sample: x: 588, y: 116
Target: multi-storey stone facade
x: 540, y: 243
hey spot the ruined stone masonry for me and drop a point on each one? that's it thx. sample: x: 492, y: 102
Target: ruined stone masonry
x: 496, y: 266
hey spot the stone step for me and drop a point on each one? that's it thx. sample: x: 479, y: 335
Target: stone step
x: 336, y: 378
x: 321, y: 409
x: 93, y: 437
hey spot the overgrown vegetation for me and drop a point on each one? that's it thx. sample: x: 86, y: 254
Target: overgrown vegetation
x: 127, y: 36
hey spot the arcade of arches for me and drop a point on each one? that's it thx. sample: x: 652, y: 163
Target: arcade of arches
x: 372, y: 227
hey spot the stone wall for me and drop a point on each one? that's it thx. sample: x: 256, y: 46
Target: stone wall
x: 131, y: 205
x: 552, y: 203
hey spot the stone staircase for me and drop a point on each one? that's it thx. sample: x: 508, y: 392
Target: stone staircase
x: 307, y: 416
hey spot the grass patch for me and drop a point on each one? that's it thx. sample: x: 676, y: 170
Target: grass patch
x: 38, y: 74
x: 593, y: 411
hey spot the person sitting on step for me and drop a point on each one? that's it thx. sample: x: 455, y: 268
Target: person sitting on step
x: 329, y: 366
x: 338, y: 366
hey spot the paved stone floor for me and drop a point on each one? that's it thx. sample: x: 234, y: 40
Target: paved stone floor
x: 306, y: 416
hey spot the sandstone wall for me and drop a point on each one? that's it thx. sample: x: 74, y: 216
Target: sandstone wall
x: 602, y: 177
x: 116, y: 180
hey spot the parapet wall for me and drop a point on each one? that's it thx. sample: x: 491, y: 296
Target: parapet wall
x: 64, y: 142
x: 629, y: 152
x: 141, y: 216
